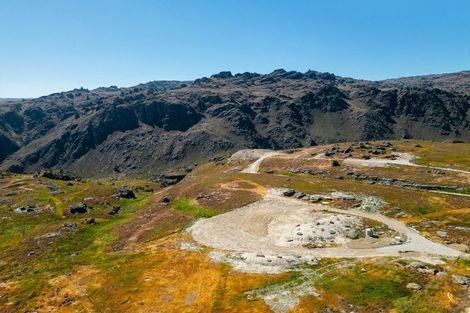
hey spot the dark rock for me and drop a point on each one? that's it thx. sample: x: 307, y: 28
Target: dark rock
x: 89, y: 221
x: 125, y: 193
x: 289, y: 193
x: 114, y: 210
x: 26, y: 209
x: 223, y: 75
x: 57, y: 175
x: 146, y: 129
x: 167, y: 199
x: 81, y: 208
x: 170, y: 179
x: 370, y: 232
x: 69, y: 226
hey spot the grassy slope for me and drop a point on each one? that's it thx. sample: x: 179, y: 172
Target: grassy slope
x: 157, y: 274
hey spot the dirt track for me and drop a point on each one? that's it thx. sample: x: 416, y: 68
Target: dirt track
x: 247, y: 229
x: 253, y: 168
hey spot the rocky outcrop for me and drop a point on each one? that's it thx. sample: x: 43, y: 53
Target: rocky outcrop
x: 153, y: 128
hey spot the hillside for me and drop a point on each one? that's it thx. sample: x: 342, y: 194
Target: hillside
x: 453, y: 82
x: 360, y: 227
x: 156, y: 127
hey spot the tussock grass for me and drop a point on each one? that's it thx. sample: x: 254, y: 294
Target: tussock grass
x: 187, y: 206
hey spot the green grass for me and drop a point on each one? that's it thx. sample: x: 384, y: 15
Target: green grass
x: 187, y: 206
x: 289, y: 173
x: 88, y: 243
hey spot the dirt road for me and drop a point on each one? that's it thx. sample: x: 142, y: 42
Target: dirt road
x: 253, y: 168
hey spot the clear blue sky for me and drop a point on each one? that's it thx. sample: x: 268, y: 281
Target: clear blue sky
x: 49, y: 46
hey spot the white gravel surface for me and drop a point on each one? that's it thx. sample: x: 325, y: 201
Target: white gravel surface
x: 259, y: 231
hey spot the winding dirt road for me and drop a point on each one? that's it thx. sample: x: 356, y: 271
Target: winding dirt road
x: 253, y: 168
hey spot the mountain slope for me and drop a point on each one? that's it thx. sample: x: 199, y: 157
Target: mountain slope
x: 454, y: 82
x: 151, y: 128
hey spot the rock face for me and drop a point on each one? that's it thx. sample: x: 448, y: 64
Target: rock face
x: 151, y: 128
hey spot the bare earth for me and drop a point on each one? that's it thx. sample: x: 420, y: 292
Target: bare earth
x: 256, y: 231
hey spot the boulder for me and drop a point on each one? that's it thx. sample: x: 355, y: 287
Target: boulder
x: 167, y: 200
x: 125, y: 193
x: 81, y: 208
x: 370, y: 232
x: 289, y: 193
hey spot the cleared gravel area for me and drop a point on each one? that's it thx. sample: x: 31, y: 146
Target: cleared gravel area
x: 401, y: 159
x: 266, y: 233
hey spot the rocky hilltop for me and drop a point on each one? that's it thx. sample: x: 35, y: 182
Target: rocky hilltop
x: 151, y: 128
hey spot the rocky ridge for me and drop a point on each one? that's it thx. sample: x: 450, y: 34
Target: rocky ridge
x: 151, y: 128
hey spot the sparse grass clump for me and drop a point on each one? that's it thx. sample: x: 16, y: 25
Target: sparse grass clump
x: 379, y: 290
x: 186, y: 205
x: 289, y: 173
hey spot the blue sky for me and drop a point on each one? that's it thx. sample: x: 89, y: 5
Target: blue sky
x: 48, y: 46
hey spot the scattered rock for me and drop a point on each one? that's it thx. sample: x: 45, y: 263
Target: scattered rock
x: 417, y: 264
x: 68, y: 226
x: 462, y: 280
x: 166, y: 180
x: 27, y: 209
x: 57, y: 175
x: 441, y: 233
x: 300, y: 195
